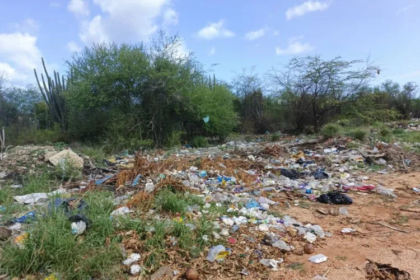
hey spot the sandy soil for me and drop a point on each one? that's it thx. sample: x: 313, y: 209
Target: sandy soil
x: 347, y: 253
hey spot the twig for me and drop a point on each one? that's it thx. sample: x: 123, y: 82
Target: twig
x: 411, y: 210
x: 384, y: 224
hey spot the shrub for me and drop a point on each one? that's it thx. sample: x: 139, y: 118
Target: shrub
x: 199, y: 142
x: 360, y: 134
x: 275, y: 137
x: 398, y: 131
x: 248, y: 138
x: 330, y: 130
x: 385, y: 132
x: 174, y: 139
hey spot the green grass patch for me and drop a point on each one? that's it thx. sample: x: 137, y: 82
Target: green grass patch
x: 51, y: 248
x: 410, y: 137
x: 172, y: 202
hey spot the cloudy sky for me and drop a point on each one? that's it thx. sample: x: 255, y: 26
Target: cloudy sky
x: 234, y: 34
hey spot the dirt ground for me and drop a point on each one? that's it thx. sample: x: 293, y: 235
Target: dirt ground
x: 347, y: 253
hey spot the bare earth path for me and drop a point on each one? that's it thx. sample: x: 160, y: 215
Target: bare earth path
x: 347, y: 253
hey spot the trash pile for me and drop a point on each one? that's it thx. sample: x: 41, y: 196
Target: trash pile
x: 236, y: 193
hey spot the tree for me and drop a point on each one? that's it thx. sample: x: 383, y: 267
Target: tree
x: 128, y: 93
x: 319, y: 87
x: 248, y: 88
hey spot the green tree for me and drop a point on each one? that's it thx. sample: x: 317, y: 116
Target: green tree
x: 319, y: 86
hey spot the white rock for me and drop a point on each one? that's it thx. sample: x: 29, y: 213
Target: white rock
x: 69, y: 155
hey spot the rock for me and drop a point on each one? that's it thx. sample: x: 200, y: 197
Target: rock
x: 48, y: 155
x: 5, y: 233
x: 69, y: 155
x: 191, y: 274
x: 164, y: 271
x: 309, y: 249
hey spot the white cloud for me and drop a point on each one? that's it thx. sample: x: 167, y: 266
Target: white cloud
x: 126, y: 20
x: 79, y: 7
x: 212, y: 51
x: 170, y: 17
x: 404, y: 9
x: 215, y: 30
x: 253, y: 35
x: 29, y: 25
x: 276, y: 33
x: 19, y: 55
x: 295, y: 47
x: 307, y: 7
x: 55, y: 4
x: 73, y: 47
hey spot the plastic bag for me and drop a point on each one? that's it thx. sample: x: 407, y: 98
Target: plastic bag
x: 217, y: 252
x: 318, y: 258
x: 385, y: 191
x: 335, y: 198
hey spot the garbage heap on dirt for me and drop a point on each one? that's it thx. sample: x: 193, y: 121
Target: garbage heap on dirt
x: 216, y: 212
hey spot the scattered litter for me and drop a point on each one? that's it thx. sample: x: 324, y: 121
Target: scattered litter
x: 28, y: 217
x: 121, y: 211
x: 78, y: 228
x: 310, y: 237
x: 135, y: 269
x: 131, y: 259
x: 347, y: 230
x: 271, y: 263
x: 217, y: 252
x: 335, y: 198
x: 318, y: 258
x: 36, y: 197
x: 343, y: 211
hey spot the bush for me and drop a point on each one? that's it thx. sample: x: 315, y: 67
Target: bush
x: 248, y: 138
x: 360, y: 134
x: 385, y: 132
x: 275, y: 137
x: 330, y: 130
x: 174, y: 139
x: 199, y: 142
x: 398, y: 131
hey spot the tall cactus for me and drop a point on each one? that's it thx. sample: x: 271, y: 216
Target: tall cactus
x: 53, y: 93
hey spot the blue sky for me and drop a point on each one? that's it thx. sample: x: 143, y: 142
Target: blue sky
x: 235, y: 34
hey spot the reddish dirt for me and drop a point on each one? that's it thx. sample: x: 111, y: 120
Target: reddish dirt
x: 347, y: 253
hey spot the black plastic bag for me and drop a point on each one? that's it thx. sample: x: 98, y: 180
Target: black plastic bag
x: 335, y: 198
x: 320, y: 174
x: 291, y: 174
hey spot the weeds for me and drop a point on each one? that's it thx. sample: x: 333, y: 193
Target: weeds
x: 330, y: 130
x: 199, y: 142
x: 359, y: 134
x: 52, y: 248
x: 275, y: 137
x: 171, y: 202
x: 94, y: 152
x: 341, y: 258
